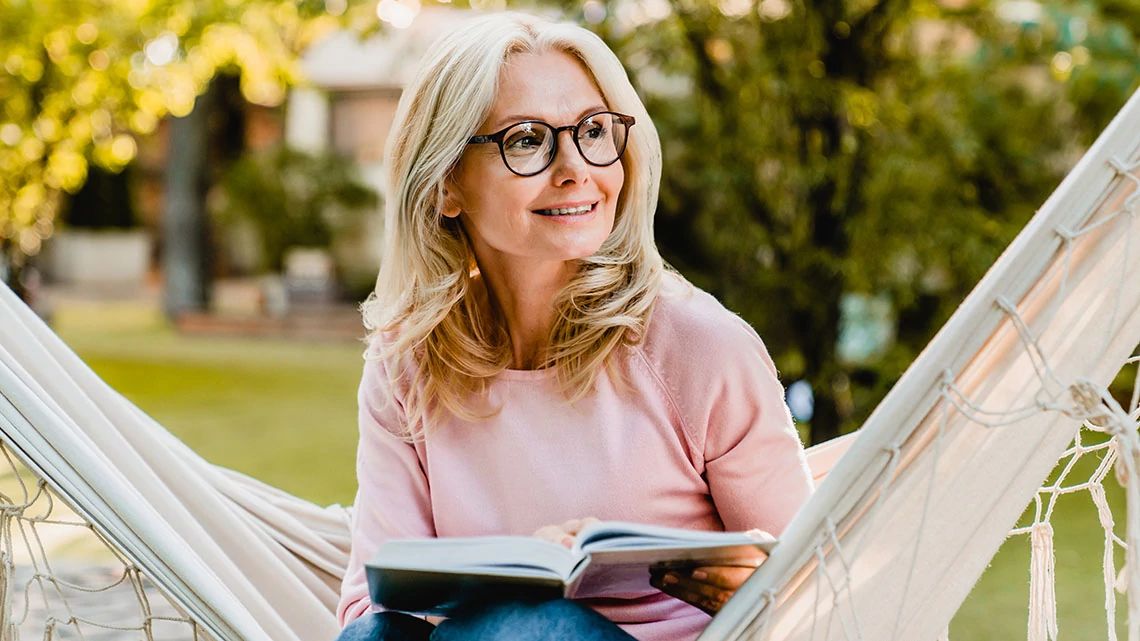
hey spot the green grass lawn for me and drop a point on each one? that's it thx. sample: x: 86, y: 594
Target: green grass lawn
x: 997, y: 609
x: 281, y: 411
x: 285, y: 412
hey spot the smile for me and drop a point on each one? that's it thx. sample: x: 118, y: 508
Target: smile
x: 567, y: 211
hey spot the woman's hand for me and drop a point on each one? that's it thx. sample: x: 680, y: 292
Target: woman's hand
x: 707, y: 587
x: 564, y: 534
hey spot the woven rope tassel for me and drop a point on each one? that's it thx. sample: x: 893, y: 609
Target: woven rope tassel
x: 1042, y: 593
x: 1127, y: 468
x: 1104, y: 513
x: 1101, y: 410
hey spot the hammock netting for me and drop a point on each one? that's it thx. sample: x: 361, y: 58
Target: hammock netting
x: 1011, y: 405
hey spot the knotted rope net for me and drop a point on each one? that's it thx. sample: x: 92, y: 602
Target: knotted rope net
x: 62, y: 580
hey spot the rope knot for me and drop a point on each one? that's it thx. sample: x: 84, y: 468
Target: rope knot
x: 1066, y: 234
x: 894, y: 450
x: 1005, y: 305
x: 1087, y: 402
x: 1117, y: 164
x: 1093, y: 404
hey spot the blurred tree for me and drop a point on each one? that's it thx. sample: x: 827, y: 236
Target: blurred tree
x: 885, y: 148
x: 81, y: 79
x: 185, y: 233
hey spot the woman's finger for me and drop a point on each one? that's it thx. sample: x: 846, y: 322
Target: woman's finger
x: 555, y: 534
x: 564, y: 534
x: 702, y: 595
x: 725, y: 577
x: 574, y: 526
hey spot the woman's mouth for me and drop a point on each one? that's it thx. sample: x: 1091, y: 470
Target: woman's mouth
x: 567, y: 211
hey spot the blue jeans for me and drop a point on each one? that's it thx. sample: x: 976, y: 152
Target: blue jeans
x: 558, y: 620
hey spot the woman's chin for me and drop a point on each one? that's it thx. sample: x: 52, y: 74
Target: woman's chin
x: 576, y: 243
x: 576, y: 251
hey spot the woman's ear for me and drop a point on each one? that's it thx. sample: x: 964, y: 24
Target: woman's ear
x: 451, y: 203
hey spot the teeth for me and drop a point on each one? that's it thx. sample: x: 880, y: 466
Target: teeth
x: 565, y: 211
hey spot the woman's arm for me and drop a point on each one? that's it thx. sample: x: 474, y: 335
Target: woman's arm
x: 393, y: 499
x: 754, y: 463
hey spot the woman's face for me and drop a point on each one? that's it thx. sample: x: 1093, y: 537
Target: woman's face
x: 508, y: 217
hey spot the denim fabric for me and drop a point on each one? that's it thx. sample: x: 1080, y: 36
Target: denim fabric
x: 558, y: 620
x: 387, y: 626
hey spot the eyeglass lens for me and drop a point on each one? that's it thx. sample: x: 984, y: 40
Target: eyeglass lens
x: 528, y: 147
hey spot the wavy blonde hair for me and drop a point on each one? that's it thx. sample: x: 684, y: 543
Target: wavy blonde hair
x: 426, y: 303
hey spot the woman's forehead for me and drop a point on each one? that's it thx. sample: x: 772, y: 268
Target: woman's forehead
x: 551, y: 86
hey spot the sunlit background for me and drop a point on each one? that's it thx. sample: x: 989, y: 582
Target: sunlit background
x: 190, y: 194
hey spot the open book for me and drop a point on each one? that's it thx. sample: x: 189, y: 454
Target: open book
x: 611, y: 559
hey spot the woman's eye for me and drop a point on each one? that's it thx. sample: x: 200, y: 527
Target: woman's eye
x: 594, y: 132
x: 525, y: 142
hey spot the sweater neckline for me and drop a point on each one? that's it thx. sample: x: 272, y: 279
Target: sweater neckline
x: 526, y: 374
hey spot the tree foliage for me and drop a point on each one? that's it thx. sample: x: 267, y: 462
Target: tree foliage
x: 889, y: 148
x: 81, y: 79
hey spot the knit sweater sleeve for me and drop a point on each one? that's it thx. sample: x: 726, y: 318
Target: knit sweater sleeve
x: 721, y: 379
x: 754, y: 461
x: 393, y: 498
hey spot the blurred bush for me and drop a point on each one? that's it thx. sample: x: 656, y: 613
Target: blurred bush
x: 292, y: 199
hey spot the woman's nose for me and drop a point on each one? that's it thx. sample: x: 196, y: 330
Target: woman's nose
x: 569, y: 165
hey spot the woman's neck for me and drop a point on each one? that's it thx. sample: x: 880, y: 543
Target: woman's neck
x: 524, y: 296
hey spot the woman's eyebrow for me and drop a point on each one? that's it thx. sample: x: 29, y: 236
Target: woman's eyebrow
x: 513, y: 118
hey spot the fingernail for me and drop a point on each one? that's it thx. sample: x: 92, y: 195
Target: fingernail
x: 670, y: 579
x: 700, y: 575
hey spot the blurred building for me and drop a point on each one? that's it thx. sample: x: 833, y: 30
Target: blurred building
x: 346, y: 108
x: 110, y: 240
x: 349, y: 105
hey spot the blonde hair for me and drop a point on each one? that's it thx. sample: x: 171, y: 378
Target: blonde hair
x: 424, y: 304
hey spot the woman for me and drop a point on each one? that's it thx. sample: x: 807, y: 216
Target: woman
x: 533, y: 365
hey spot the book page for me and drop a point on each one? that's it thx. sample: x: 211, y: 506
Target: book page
x: 628, y: 536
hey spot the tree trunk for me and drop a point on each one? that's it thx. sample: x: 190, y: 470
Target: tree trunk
x: 184, y: 227
x: 9, y: 270
x: 12, y: 266
x: 825, y: 420
x: 817, y: 336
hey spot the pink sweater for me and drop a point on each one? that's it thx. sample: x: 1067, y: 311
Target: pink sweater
x: 701, y: 439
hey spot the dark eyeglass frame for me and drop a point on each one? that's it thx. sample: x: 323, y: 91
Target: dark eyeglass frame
x: 498, y: 136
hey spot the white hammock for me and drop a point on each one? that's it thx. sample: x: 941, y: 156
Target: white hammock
x: 244, y: 560
x: 887, y: 549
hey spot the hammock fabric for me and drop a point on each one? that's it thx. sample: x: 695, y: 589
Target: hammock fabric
x: 245, y: 560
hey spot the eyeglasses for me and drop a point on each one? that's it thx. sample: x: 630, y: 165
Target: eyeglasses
x: 530, y: 146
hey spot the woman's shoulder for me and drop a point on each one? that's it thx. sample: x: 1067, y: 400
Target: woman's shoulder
x: 388, y: 371
x: 690, y: 327
x: 706, y: 359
